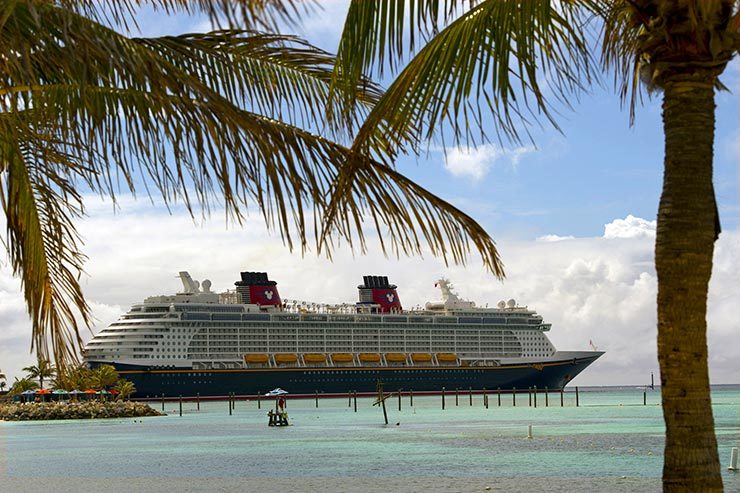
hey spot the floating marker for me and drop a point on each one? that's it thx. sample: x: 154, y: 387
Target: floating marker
x: 733, y: 459
x: 529, y: 432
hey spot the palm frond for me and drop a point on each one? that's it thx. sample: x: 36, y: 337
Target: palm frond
x: 511, y: 59
x: 266, y: 14
x: 40, y: 204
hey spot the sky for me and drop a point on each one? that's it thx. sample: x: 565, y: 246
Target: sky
x: 573, y: 215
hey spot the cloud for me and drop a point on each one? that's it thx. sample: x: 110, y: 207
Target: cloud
x: 601, y: 289
x: 476, y: 162
x: 551, y: 238
x: 630, y: 227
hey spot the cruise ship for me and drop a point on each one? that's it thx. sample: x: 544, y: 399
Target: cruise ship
x: 248, y: 340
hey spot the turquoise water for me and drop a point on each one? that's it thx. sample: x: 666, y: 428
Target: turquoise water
x: 610, y: 443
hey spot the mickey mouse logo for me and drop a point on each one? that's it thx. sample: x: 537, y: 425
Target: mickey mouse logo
x: 390, y: 297
x: 268, y: 295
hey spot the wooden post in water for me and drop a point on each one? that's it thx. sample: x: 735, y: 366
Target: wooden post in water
x: 399, y: 399
x: 644, y: 397
x: 230, y: 410
x: 457, y: 393
x: 180, y: 404
x: 317, y: 399
x: 513, y: 396
x: 577, y: 397
x: 355, y: 399
x: 485, y: 398
x: 443, y: 398
x: 381, y: 400
x: 470, y: 393
x: 498, y: 391
x: 259, y: 400
x: 197, y: 401
x: 411, y: 398
x: 529, y: 392
x: 349, y: 396
x: 547, y: 397
x: 562, y: 391
x: 162, y: 402
x: 535, y: 396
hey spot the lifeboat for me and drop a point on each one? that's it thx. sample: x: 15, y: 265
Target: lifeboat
x: 313, y: 358
x: 342, y: 358
x: 395, y: 358
x: 446, y: 358
x: 421, y: 357
x: 256, y: 358
x: 286, y: 358
x: 369, y: 358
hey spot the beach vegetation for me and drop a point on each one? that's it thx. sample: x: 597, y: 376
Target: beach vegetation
x: 125, y: 389
x: 40, y: 371
x: 22, y: 385
x: 472, y: 71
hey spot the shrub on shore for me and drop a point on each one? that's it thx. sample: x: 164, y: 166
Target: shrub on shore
x: 75, y: 410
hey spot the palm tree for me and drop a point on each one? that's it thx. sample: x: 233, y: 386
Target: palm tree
x: 104, y: 376
x: 125, y: 388
x: 512, y: 59
x: 44, y: 369
x: 234, y: 117
x: 22, y: 385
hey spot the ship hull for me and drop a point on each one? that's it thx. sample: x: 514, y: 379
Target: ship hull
x: 186, y: 382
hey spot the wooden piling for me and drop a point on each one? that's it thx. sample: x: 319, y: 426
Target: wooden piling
x: 399, y: 399
x: 562, y: 392
x: 349, y: 396
x: 443, y: 398
x: 535, y: 396
x: 259, y: 400
x: 355, y: 399
x: 577, y: 403
x: 498, y: 391
x: 317, y: 399
x: 547, y: 397
x: 381, y: 398
x: 644, y: 397
x: 230, y: 410
x: 162, y: 396
x: 197, y: 401
x: 485, y: 398
x: 411, y: 398
x: 457, y: 393
x: 470, y: 393
x: 529, y: 392
x: 513, y: 396
x: 180, y: 404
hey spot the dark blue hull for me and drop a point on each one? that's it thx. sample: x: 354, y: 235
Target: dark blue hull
x: 214, y: 383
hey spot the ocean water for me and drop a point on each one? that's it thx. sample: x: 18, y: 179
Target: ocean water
x: 610, y: 443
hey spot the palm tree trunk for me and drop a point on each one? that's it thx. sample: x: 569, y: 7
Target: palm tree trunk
x: 687, y: 229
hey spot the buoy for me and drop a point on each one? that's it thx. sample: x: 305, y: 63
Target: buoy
x: 733, y: 459
x: 529, y: 431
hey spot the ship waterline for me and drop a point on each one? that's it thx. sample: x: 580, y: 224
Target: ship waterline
x: 250, y: 340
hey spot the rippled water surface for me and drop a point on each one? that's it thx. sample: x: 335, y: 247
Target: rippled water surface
x: 610, y: 443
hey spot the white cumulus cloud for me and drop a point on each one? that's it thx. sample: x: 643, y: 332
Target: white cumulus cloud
x: 551, y: 238
x: 630, y: 227
x: 475, y: 162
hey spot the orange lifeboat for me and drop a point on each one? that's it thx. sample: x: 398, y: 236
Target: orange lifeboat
x: 369, y: 357
x: 342, y: 358
x: 395, y: 357
x: 446, y: 357
x: 256, y: 358
x: 313, y: 358
x: 421, y: 357
x: 286, y: 358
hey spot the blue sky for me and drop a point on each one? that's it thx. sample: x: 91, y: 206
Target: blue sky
x: 596, y: 187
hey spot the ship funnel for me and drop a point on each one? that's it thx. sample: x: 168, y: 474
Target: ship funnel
x: 254, y: 288
x: 377, y: 290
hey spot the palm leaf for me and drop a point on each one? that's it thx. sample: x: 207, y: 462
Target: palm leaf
x: 510, y: 59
